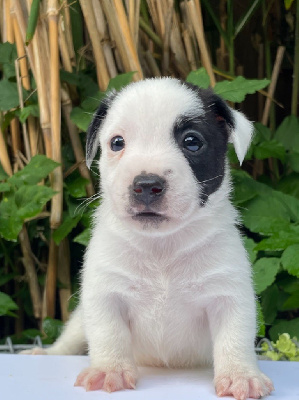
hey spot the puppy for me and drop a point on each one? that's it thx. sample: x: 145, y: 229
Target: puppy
x: 166, y: 280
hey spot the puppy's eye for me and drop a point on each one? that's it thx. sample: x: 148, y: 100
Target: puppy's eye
x: 117, y: 143
x: 192, y: 143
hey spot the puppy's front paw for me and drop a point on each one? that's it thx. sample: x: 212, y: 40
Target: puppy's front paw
x: 243, y: 386
x: 34, y: 351
x: 111, y: 381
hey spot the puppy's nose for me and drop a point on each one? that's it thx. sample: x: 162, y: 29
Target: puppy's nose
x: 148, y: 188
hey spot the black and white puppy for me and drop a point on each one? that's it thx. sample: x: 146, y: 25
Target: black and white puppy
x: 166, y: 280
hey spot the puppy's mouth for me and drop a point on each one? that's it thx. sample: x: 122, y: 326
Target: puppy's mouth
x: 148, y: 216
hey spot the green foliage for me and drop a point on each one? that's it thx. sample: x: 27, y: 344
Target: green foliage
x: 285, y: 348
x: 22, y: 198
x: 32, y: 21
x: 82, y: 115
x: 7, y: 305
x: 271, y: 219
x: 235, y: 90
x: 52, y: 328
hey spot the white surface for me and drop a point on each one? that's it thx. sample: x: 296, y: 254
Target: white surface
x: 52, y: 378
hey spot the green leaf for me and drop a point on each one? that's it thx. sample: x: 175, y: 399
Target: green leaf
x: 292, y: 302
x: 281, y: 326
x: 71, y: 78
x: 65, y: 228
x: 8, y: 53
x: 246, y: 17
x: 76, y: 187
x: 32, y: 20
x: 287, y: 133
x: 250, y: 248
x: 25, y: 112
x: 269, y: 303
x: 3, y: 174
x: 4, y: 278
x: 265, y: 215
x: 37, y: 169
x: 10, y: 223
x: 279, y: 241
x: 264, y: 272
x: 288, y: 4
x: 260, y: 320
x: 30, y: 200
x: 90, y: 104
x: 120, y: 81
x: 5, y: 187
x: 9, y: 95
x: 81, y: 118
x: 293, y: 159
x: 84, y: 237
x: 270, y: 148
x: 7, y: 305
x: 237, y: 89
x: 289, y: 185
x: 244, y: 187
x: 52, y: 328
x: 289, y: 284
x: 262, y: 132
x: 199, y: 78
x: 290, y: 260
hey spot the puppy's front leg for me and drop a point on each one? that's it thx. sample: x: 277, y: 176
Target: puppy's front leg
x: 232, y: 324
x: 110, y: 349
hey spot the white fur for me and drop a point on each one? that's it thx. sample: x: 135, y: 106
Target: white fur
x: 178, y: 293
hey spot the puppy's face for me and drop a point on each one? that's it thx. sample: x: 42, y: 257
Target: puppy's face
x: 163, y: 146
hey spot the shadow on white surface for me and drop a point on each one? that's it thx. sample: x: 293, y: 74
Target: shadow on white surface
x: 52, y: 378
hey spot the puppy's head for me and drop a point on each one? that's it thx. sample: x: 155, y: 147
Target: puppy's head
x: 163, y: 151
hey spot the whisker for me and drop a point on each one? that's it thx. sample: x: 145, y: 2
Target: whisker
x: 211, y: 179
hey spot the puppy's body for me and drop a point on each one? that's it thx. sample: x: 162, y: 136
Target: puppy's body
x: 166, y: 280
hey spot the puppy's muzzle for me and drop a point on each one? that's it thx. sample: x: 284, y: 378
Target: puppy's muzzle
x: 148, y: 188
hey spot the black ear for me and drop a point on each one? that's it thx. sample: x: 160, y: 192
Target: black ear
x: 92, y: 140
x: 237, y: 126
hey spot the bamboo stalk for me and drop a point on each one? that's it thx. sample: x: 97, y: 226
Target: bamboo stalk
x: 177, y: 47
x: 136, y: 23
x: 4, y: 158
x: 272, y: 86
x: 55, y: 103
x: 41, y: 73
x: 102, y: 72
x: 68, y: 31
x: 75, y: 140
x: 125, y: 30
x: 30, y: 272
x: 64, y: 49
x: 189, y: 50
x: 49, y: 301
x: 114, y: 28
x: 8, y: 21
x: 25, y: 133
x: 294, y: 103
x: 104, y: 37
x: 64, y: 277
x: 14, y: 124
x: 166, y: 39
x: 151, y: 62
x: 19, y: 13
x: 196, y: 19
x: 25, y: 79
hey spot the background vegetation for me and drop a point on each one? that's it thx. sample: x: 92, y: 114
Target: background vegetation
x: 58, y: 58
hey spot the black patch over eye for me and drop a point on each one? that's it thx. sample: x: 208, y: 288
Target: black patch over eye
x: 117, y: 143
x: 193, y: 143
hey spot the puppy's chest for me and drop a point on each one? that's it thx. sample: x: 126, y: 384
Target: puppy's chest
x: 161, y: 296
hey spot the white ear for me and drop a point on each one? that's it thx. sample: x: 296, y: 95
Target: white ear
x: 241, y: 134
